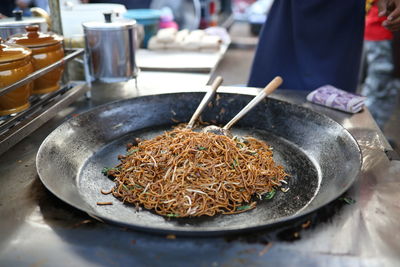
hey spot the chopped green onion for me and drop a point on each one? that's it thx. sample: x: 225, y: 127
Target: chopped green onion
x: 130, y: 152
x: 348, y: 200
x: 172, y: 215
x: 246, y: 207
x: 105, y: 170
x: 234, y: 164
x: 270, y: 194
x: 201, y: 148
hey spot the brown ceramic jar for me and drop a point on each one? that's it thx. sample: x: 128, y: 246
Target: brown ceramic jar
x: 46, y: 49
x: 15, y: 64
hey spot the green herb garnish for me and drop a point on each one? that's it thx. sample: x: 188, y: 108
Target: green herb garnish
x: 105, y: 170
x: 348, y: 200
x: 130, y: 152
x: 125, y: 187
x: 131, y: 187
x: 246, y: 207
x: 234, y: 164
x: 270, y: 194
x: 201, y: 148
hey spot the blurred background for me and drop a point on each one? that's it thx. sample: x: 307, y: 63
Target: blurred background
x: 243, y: 20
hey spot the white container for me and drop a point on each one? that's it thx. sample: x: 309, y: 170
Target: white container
x: 72, y: 16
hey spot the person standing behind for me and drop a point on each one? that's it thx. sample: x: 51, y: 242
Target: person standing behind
x: 380, y: 87
x: 311, y: 43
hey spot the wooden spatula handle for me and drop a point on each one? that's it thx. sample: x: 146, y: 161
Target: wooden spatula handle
x: 208, y: 96
x: 272, y: 86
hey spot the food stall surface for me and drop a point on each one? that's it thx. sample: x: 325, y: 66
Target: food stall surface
x: 361, y: 228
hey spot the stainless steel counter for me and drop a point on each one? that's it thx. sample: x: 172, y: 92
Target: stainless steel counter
x: 37, y: 229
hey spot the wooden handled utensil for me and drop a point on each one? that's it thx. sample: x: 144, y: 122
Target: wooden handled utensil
x: 271, y: 87
x: 209, y: 95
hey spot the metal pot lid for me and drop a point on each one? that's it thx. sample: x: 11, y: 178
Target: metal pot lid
x: 34, y: 38
x: 18, y: 21
x: 10, y: 53
x: 108, y: 24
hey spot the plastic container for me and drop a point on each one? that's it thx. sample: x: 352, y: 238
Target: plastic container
x: 149, y: 18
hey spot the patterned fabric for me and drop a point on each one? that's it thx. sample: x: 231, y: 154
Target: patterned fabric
x: 335, y: 98
x: 380, y: 87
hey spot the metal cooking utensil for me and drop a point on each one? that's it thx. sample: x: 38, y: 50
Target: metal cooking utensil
x: 271, y: 87
x: 209, y: 95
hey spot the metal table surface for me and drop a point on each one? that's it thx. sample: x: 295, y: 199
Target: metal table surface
x: 37, y: 229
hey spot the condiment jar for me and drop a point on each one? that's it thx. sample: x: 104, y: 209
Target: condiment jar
x: 46, y: 49
x: 15, y: 64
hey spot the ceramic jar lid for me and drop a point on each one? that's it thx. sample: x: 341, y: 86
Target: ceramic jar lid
x: 10, y: 53
x: 33, y: 38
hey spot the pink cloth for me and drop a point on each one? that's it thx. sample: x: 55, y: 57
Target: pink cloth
x: 333, y: 97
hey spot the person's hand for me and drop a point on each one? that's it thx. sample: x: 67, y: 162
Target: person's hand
x: 391, y: 9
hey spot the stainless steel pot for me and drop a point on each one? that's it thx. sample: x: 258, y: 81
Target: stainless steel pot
x: 110, y: 49
x: 17, y: 24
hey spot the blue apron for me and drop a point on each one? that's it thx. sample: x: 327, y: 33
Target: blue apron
x: 311, y: 43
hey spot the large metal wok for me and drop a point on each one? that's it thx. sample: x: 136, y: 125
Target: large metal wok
x: 322, y: 158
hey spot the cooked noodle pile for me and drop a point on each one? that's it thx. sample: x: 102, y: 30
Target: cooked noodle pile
x: 184, y: 173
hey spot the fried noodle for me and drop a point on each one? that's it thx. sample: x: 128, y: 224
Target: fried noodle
x: 183, y: 173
